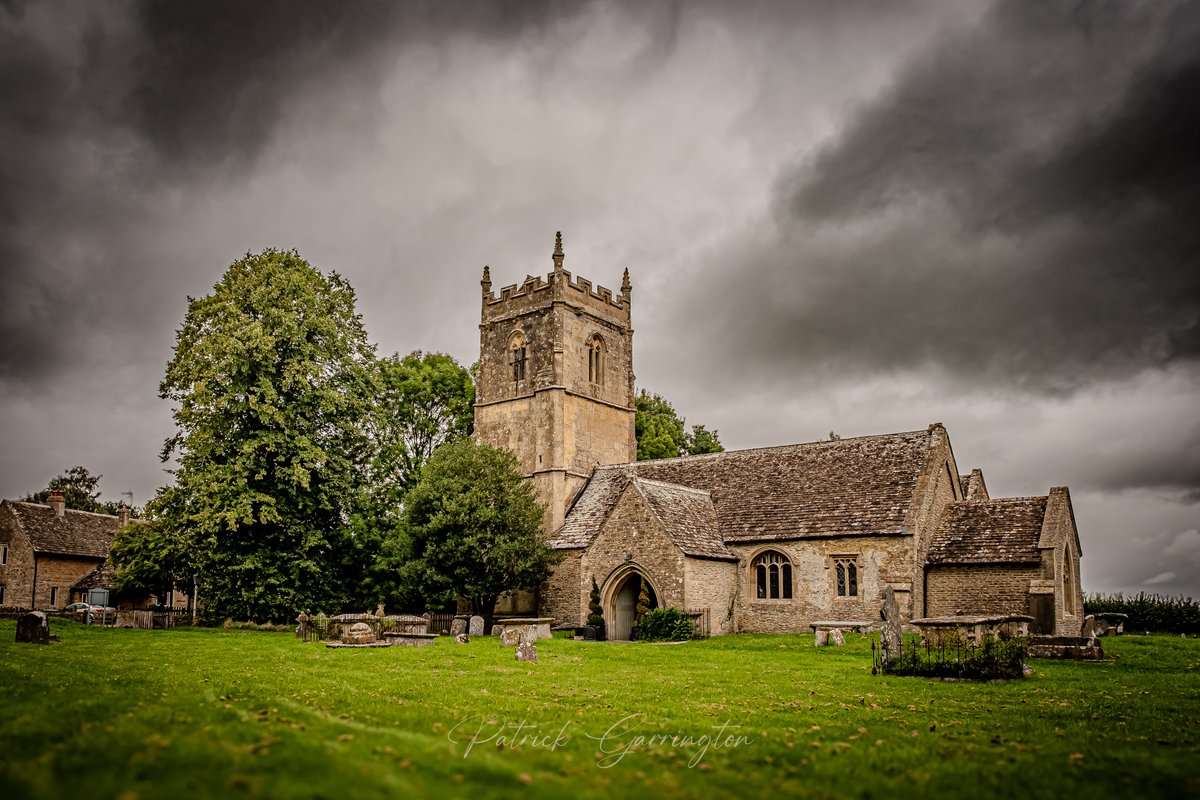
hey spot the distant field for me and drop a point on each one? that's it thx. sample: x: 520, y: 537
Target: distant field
x: 222, y: 713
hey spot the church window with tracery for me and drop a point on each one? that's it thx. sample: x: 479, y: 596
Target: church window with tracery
x: 846, y: 568
x: 595, y: 348
x: 773, y: 576
x: 517, y: 347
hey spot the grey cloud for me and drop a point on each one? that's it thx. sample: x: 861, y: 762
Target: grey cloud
x: 1018, y: 209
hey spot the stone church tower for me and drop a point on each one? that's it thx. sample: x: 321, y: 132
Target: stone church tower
x: 555, y: 383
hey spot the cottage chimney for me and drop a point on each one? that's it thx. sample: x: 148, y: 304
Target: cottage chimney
x: 122, y: 517
x: 57, y: 502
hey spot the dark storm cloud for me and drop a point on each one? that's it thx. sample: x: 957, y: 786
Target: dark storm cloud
x: 1018, y: 209
x: 105, y: 108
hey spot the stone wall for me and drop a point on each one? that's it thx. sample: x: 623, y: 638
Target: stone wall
x: 561, y: 598
x: 16, y: 576
x: 881, y: 560
x: 978, y: 588
x: 938, y: 486
x: 61, y: 572
x: 713, y: 585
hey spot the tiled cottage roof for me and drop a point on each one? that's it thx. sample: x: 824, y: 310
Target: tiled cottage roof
x: 99, y: 578
x: 688, y: 516
x: 75, y: 533
x: 1002, y: 531
x: 849, y: 486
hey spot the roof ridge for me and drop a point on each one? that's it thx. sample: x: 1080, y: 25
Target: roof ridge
x: 793, y: 445
x: 65, y: 510
x: 679, y: 486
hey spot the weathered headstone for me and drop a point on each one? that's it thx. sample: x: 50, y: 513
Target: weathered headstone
x: 33, y: 628
x: 458, y: 625
x: 510, y: 637
x: 889, y: 631
x: 530, y: 634
x: 836, y: 637
x: 476, y: 628
x: 497, y: 630
x: 302, y: 628
x: 1089, y: 631
x: 526, y: 651
x: 820, y: 637
x: 462, y: 638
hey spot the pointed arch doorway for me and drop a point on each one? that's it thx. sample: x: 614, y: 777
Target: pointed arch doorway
x: 621, y: 597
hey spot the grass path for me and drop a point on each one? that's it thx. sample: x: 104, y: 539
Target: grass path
x: 224, y: 713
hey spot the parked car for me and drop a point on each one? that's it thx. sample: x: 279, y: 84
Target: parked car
x: 78, y: 608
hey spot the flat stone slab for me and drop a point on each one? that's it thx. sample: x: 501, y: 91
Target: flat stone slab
x: 410, y: 639
x: 856, y: 625
x: 334, y: 645
x: 970, y: 619
x: 541, y: 626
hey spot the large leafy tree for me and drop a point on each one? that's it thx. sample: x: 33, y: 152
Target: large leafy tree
x: 80, y: 489
x: 662, y: 433
x: 420, y: 402
x: 474, y: 527
x: 153, y: 556
x: 270, y: 378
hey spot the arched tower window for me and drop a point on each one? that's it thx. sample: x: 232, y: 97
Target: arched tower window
x: 772, y: 576
x: 1068, y: 585
x: 595, y: 350
x: 516, y: 346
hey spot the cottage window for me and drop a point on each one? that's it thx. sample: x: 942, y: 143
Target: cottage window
x: 846, y: 568
x: 3, y: 555
x: 1, y: 594
x: 53, y: 596
x: 773, y: 576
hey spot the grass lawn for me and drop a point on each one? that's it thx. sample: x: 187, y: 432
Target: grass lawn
x: 223, y: 713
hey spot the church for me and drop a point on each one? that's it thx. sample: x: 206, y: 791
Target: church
x: 762, y: 540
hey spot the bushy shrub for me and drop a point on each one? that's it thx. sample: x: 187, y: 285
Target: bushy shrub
x: 595, y: 612
x: 1149, y: 612
x: 666, y: 625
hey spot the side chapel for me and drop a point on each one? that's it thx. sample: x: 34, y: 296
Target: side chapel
x: 762, y: 540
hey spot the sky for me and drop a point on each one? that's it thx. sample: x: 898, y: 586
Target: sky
x: 859, y: 217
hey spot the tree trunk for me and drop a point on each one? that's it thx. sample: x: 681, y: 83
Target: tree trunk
x: 486, y: 608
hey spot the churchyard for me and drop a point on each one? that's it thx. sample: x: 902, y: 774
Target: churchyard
x: 113, y: 713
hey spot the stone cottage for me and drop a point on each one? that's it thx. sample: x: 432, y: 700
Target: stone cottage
x: 762, y: 540
x: 52, y: 556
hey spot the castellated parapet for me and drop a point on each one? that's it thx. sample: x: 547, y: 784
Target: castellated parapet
x: 555, y: 383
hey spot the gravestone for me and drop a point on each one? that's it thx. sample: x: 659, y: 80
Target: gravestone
x: 527, y: 652
x: 458, y: 625
x: 476, y: 628
x: 820, y: 638
x: 510, y: 637
x: 1090, y: 628
x: 530, y: 634
x: 889, y: 631
x: 497, y: 630
x: 836, y: 637
x: 302, y: 628
x: 462, y: 638
x: 33, y: 628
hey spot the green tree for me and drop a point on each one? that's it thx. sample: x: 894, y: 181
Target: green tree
x: 152, y: 556
x: 270, y: 378
x: 595, y: 610
x: 662, y: 433
x: 474, y: 526
x: 80, y: 490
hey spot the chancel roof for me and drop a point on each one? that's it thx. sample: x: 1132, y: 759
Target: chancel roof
x: 863, y: 485
x: 1004, y: 531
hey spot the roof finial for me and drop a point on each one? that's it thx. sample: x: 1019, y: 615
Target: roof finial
x: 486, y: 283
x: 626, y: 286
x: 558, y: 252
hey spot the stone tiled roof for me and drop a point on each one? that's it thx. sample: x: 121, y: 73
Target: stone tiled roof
x: 75, y: 533
x: 849, y: 486
x: 1002, y: 531
x: 688, y: 516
